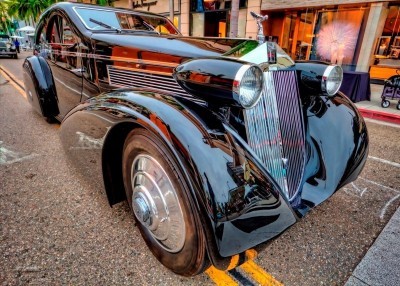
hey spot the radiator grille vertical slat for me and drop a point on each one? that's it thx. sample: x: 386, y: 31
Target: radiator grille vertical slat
x: 275, y: 130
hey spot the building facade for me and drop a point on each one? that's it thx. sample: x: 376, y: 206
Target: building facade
x: 359, y: 35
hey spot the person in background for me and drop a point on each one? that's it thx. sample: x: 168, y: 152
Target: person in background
x: 17, y: 45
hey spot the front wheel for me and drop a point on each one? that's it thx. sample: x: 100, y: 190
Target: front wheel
x: 398, y: 105
x: 160, y: 201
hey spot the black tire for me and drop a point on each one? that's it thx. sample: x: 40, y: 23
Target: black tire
x: 398, y: 106
x: 15, y: 56
x: 385, y: 103
x: 184, y: 254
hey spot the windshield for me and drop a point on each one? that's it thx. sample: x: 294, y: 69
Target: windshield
x: 4, y: 38
x: 125, y: 21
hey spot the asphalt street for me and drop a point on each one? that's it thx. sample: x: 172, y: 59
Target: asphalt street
x: 56, y: 229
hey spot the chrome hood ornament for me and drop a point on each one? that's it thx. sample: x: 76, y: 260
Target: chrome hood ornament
x: 260, y: 32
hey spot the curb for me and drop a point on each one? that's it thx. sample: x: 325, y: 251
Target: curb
x: 379, y: 115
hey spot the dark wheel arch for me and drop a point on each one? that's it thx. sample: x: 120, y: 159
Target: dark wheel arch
x: 112, y: 161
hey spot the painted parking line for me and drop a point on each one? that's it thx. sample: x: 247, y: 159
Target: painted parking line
x: 259, y: 275
x: 248, y: 274
x: 16, y: 83
x: 394, y: 164
x: 8, y: 156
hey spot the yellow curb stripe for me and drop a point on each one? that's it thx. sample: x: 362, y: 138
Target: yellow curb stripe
x: 234, y: 262
x: 251, y: 254
x: 220, y: 278
x: 259, y: 275
x: 11, y: 81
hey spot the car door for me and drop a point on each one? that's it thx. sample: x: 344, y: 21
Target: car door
x: 65, y: 60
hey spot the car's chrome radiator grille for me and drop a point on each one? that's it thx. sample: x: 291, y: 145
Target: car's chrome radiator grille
x: 126, y: 77
x: 275, y: 130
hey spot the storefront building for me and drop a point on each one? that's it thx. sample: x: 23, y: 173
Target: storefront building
x: 359, y: 35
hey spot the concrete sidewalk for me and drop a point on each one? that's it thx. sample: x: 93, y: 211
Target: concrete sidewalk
x: 381, y: 265
x: 373, y: 110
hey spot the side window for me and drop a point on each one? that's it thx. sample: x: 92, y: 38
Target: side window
x: 69, y: 39
x: 63, y: 42
x: 70, y: 46
x: 40, y: 44
x: 52, y: 39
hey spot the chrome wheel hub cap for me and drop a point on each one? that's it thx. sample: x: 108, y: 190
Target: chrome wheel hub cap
x: 155, y: 203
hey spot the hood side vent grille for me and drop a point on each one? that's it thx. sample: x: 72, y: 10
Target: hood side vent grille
x: 130, y: 78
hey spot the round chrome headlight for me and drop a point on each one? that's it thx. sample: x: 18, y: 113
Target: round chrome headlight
x: 248, y: 85
x: 332, y: 80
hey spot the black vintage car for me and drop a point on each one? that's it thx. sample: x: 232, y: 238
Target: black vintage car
x: 217, y: 144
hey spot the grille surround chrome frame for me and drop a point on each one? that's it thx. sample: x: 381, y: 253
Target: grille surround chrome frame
x: 278, y: 138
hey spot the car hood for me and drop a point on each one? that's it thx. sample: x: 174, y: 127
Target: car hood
x: 185, y: 47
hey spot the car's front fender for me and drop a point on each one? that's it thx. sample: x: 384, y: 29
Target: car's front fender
x: 240, y: 204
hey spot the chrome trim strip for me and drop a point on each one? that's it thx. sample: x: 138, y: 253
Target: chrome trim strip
x: 114, y: 58
x: 141, y: 71
x: 139, y: 61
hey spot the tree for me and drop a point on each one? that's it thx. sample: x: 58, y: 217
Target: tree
x: 5, y: 22
x: 27, y: 9
x: 105, y: 2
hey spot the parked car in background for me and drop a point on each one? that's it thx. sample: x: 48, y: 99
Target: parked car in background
x: 217, y: 144
x: 7, y: 47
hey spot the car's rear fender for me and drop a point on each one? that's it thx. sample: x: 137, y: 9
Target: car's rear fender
x: 228, y: 185
x: 39, y: 86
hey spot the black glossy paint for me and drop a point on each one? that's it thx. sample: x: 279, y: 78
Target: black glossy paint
x: 39, y: 86
x: 240, y: 204
x: 328, y: 141
x: 228, y: 195
x: 310, y: 76
x: 210, y: 79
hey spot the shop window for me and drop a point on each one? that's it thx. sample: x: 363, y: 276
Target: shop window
x: 337, y: 36
x: 211, y: 5
x: 382, y: 48
x: 388, y: 45
x: 293, y: 31
x: 395, y: 48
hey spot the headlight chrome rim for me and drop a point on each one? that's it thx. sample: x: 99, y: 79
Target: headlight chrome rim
x: 329, y: 78
x: 241, y: 79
